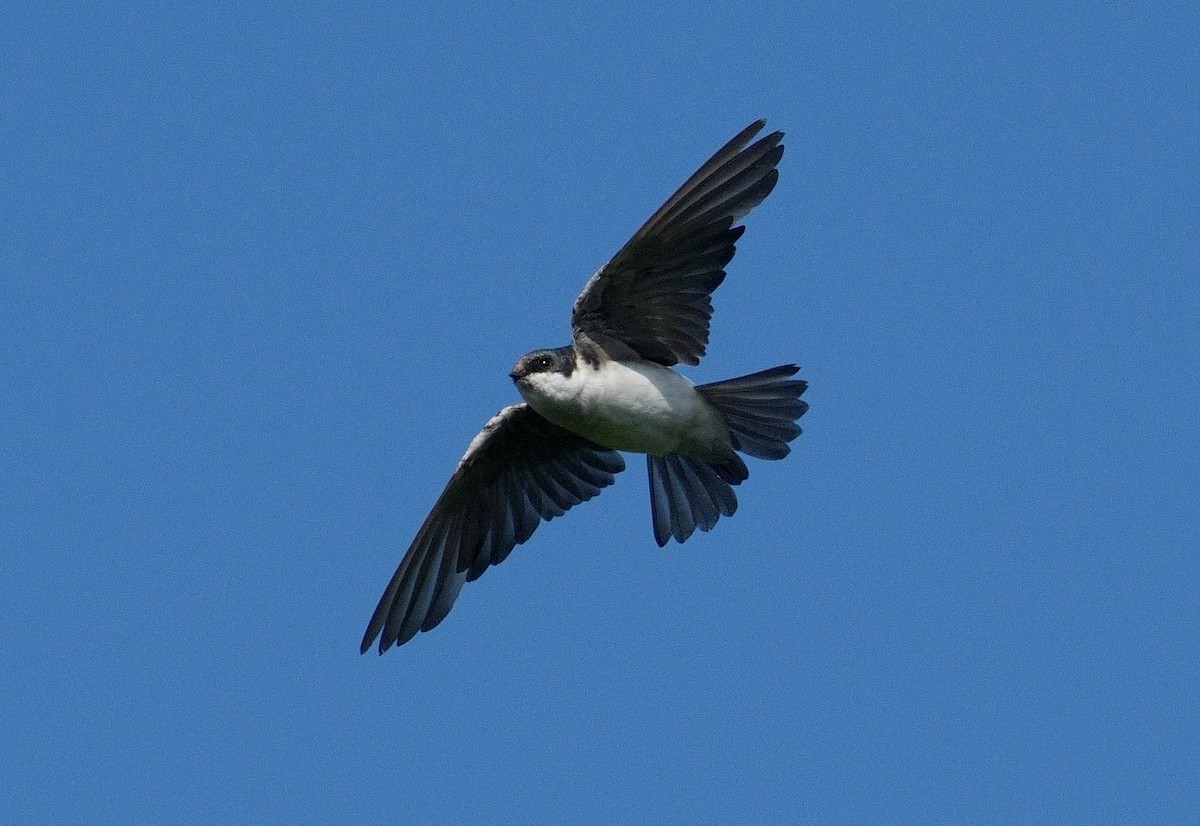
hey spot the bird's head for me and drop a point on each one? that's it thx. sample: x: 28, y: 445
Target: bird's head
x: 560, y: 360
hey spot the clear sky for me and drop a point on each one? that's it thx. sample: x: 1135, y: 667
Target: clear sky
x: 263, y: 273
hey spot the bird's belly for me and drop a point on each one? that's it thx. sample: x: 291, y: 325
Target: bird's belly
x: 643, y: 408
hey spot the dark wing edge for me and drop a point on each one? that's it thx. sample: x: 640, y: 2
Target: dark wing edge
x: 520, y: 469
x: 653, y: 299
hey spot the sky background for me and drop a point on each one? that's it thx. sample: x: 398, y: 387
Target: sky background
x: 263, y: 272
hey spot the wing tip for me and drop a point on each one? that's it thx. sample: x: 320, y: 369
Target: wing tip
x: 369, y: 641
x: 753, y: 129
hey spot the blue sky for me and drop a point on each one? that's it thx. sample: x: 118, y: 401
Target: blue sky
x: 264, y: 272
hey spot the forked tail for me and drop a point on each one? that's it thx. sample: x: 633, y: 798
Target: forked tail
x: 760, y: 410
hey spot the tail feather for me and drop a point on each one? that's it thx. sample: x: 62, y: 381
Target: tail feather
x: 688, y: 493
x: 760, y: 410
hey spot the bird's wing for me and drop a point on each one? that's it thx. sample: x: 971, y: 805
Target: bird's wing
x: 653, y: 299
x: 519, y: 470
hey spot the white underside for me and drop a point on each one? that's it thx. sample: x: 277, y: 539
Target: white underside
x: 639, y: 407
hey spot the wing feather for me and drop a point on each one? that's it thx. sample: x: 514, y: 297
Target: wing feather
x: 653, y: 299
x: 521, y: 469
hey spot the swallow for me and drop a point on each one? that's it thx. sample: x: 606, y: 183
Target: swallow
x: 613, y: 389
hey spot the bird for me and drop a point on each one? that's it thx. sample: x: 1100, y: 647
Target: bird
x: 613, y: 389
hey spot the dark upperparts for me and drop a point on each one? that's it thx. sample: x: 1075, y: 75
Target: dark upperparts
x: 557, y: 360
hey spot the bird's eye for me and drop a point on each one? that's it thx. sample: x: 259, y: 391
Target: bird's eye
x: 543, y: 362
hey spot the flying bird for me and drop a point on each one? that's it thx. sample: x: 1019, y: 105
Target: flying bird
x: 612, y: 389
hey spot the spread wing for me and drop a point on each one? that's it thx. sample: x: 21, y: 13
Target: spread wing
x: 653, y: 299
x: 519, y: 470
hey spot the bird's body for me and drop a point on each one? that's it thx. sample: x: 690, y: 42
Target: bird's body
x: 613, y: 389
x: 635, y: 406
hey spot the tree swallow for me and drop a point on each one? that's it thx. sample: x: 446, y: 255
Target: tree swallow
x: 612, y: 389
